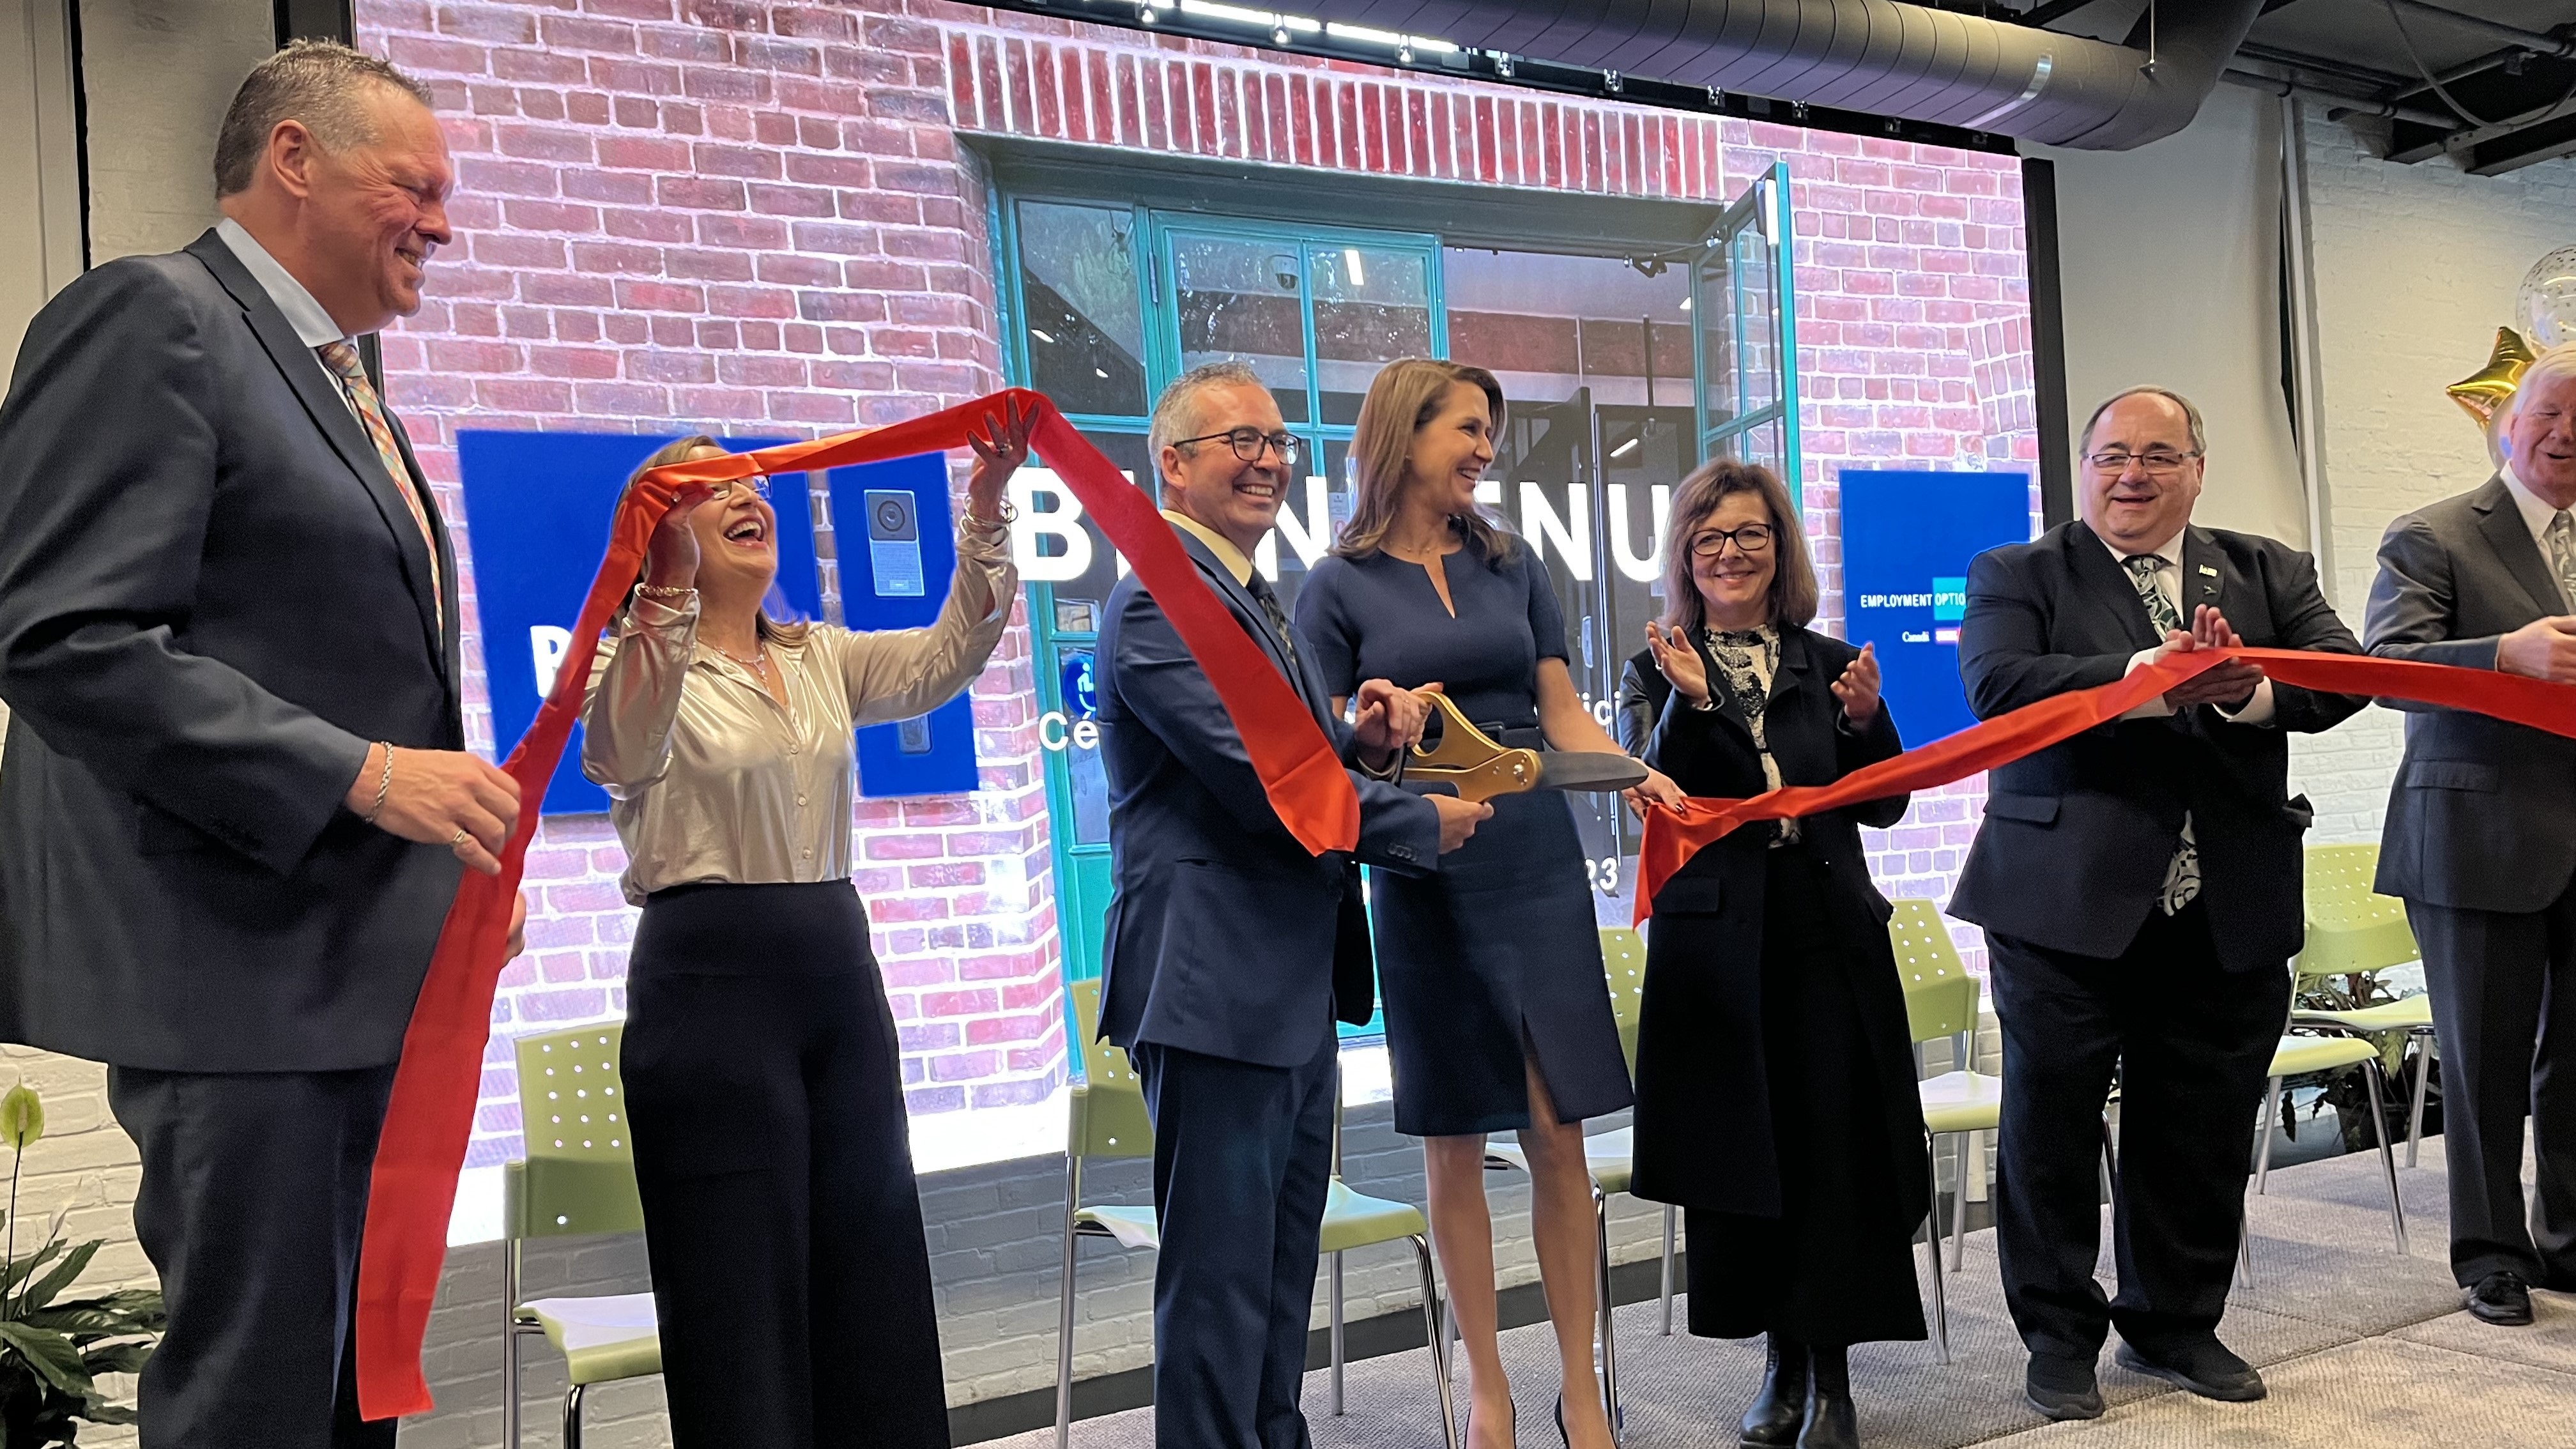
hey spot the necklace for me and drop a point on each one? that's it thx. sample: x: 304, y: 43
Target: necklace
x: 758, y: 663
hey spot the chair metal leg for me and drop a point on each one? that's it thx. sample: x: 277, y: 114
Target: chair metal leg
x: 2271, y: 1121
x: 1609, y: 1331
x: 572, y: 1417
x: 1970, y: 1160
x: 1940, y: 1289
x: 510, y: 1410
x: 2110, y: 1161
x: 1064, y: 1306
x: 1336, y: 1334
x: 1671, y: 1216
x: 2415, y: 1110
x: 1435, y: 1337
x: 2244, y: 1253
x: 2375, y: 1081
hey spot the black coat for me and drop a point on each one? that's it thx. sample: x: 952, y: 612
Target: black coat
x: 212, y: 598
x: 2072, y: 853
x: 1703, y: 1122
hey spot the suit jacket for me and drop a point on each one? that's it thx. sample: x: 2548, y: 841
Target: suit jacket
x: 1224, y: 936
x: 212, y: 598
x: 1704, y: 949
x: 2076, y: 838
x: 2479, y: 814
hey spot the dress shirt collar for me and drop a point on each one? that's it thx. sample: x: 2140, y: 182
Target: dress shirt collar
x: 2170, y: 550
x: 1218, y: 544
x: 313, y: 326
x: 2537, y: 512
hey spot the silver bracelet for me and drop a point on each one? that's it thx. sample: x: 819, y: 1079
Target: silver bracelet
x: 1010, y: 515
x: 384, y: 783
x: 663, y: 591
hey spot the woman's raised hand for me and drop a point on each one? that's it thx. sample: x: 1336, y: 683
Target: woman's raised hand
x: 671, y: 558
x: 1679, y: 660
x: 999, y: 451
x: 1858, y: 688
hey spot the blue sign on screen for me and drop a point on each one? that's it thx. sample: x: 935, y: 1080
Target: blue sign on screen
x: 537, y: 508
x: 900, y: 508
x: 1907, y: 539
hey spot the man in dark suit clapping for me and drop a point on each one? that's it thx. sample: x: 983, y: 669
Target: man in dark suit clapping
x: 2140, y: 889
x: 2481, y: 838
x: 1231, y: 949
x: 238, y: 795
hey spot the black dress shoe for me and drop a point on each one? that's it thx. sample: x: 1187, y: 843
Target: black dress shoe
x: 2501, y: 1298
x: 1832, y: 1423
x: 1780, y: 1410
x: 2202, y: 1365
x: 2062, y: 1388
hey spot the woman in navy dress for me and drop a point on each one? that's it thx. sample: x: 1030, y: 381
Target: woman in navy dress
x: 1497, y: 1009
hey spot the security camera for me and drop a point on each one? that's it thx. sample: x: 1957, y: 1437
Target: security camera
x: 1283, y: 269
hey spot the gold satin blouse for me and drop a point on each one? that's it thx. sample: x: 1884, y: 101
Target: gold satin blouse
x: 712, y: 781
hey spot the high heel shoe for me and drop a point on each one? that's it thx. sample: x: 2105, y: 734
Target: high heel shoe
x: 1567, y: 1440
x: 1780, y: 1410
x: 1832, y: 1422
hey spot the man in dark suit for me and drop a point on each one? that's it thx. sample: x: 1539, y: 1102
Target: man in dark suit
x: 2140, y: 889
x: 1230, y: 949
x: 2481, y: 838
x: 237, y: 795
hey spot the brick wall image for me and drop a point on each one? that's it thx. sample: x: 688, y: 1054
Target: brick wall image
x: 678, y: 215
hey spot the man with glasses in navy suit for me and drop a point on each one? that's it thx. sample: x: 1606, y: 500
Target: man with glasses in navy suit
x: 1230, y: 949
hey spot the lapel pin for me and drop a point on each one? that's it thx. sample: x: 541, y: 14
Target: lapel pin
x: 2213, y: 573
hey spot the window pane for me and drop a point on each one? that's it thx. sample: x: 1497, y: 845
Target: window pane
x: 1371, y: 307
x: 1086, y: 333
x: 1078, y: 598
x: 1244, y: 299
x: 1078, y: 687
x: 1546, y: 325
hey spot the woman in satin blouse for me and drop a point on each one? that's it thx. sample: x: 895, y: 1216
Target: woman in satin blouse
x: 763, y: 1082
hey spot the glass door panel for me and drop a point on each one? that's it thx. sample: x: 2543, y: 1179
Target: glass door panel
x: 1744, y: 296
x: 1081, y: 322
x: 1372, y: 306
x: 1244, y: 298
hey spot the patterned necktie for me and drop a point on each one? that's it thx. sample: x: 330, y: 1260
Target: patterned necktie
x: 2561, y: 543
x: 1268, y: 599
x: 2182, y: 873
x: 342, y: 358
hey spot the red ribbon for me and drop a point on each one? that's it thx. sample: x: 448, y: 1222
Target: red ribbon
x: 431, y: 1114
x: 1674, y: 836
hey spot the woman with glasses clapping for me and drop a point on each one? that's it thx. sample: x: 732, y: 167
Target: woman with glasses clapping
x: 763, y: 1085
x: 1775, y: 1080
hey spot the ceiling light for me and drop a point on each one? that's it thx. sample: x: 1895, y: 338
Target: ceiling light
x: 1100, y: 373
x: 1209, y: 9
x: 1624, y: 449
x: 1685, y: 304
x: 1145, y: 14
x: 1351, y: 259
x: 1040, y: 333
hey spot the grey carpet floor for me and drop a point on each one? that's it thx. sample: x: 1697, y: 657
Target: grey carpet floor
x: 2361, y: 1347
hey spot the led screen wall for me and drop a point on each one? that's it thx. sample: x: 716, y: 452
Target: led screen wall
x: 781, y: 220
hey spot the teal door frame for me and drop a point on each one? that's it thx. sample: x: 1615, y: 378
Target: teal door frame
x: 1759, y: 218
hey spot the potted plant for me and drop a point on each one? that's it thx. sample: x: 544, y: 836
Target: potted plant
x: 53, y: 1349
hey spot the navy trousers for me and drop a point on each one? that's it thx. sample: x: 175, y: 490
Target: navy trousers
x: 1243, y: 1157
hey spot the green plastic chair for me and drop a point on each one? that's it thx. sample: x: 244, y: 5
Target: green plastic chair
x: 1941, y: 1000
x: 1107, y: 1119
x: 1610, y: 1158
x: 577, y: 1180
x: 2353, y: 929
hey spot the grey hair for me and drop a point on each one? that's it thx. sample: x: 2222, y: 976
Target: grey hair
x: 2558, y: 361
x: 1176, y: 412
x: 2191, y: 413
x: 319, y: 83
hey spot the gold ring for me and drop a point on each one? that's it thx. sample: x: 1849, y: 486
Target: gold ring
x: 461, y: 837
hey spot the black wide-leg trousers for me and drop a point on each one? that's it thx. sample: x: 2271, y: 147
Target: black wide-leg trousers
x: 790, y: 1273
x: 2193, y: 1044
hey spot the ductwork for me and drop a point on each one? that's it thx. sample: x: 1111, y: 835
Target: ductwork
x: 1881, y: 57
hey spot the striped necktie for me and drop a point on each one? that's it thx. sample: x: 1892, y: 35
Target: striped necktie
x: 2182, y: 872
x: 2561, y: 544
x: 342, y: 359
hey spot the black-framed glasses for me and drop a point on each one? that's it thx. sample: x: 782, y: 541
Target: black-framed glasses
x: 1248, y: 443
x: 1750, y: 538
x: 2154, y: 460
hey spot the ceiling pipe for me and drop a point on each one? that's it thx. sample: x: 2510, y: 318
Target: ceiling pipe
x: 2512, y: 35
x: 2342, y: 105
x: 1882, y: 57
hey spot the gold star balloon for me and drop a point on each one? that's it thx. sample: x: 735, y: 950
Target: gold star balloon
x: 2485, y: 390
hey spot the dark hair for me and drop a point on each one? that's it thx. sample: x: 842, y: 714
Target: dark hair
x: 1794, y: 594
x: 318, y: 83
x: 678, y: 451
x: 1402, y: 400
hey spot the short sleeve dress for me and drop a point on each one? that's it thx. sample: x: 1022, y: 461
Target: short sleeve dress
x: 1497, y: 951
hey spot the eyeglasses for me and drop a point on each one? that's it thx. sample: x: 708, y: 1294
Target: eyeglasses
x: 1248, y: 443
x: 1751, y: 538
x: 723, y: 492
x: 2154, y: 460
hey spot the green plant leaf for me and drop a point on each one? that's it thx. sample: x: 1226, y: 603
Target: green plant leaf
x: 59, y: 1279
x: 129, y: 1310
x: 22, y: 1117
x: 19, y: 1270
x: 126, y: 1357
x: 50, y: 1354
